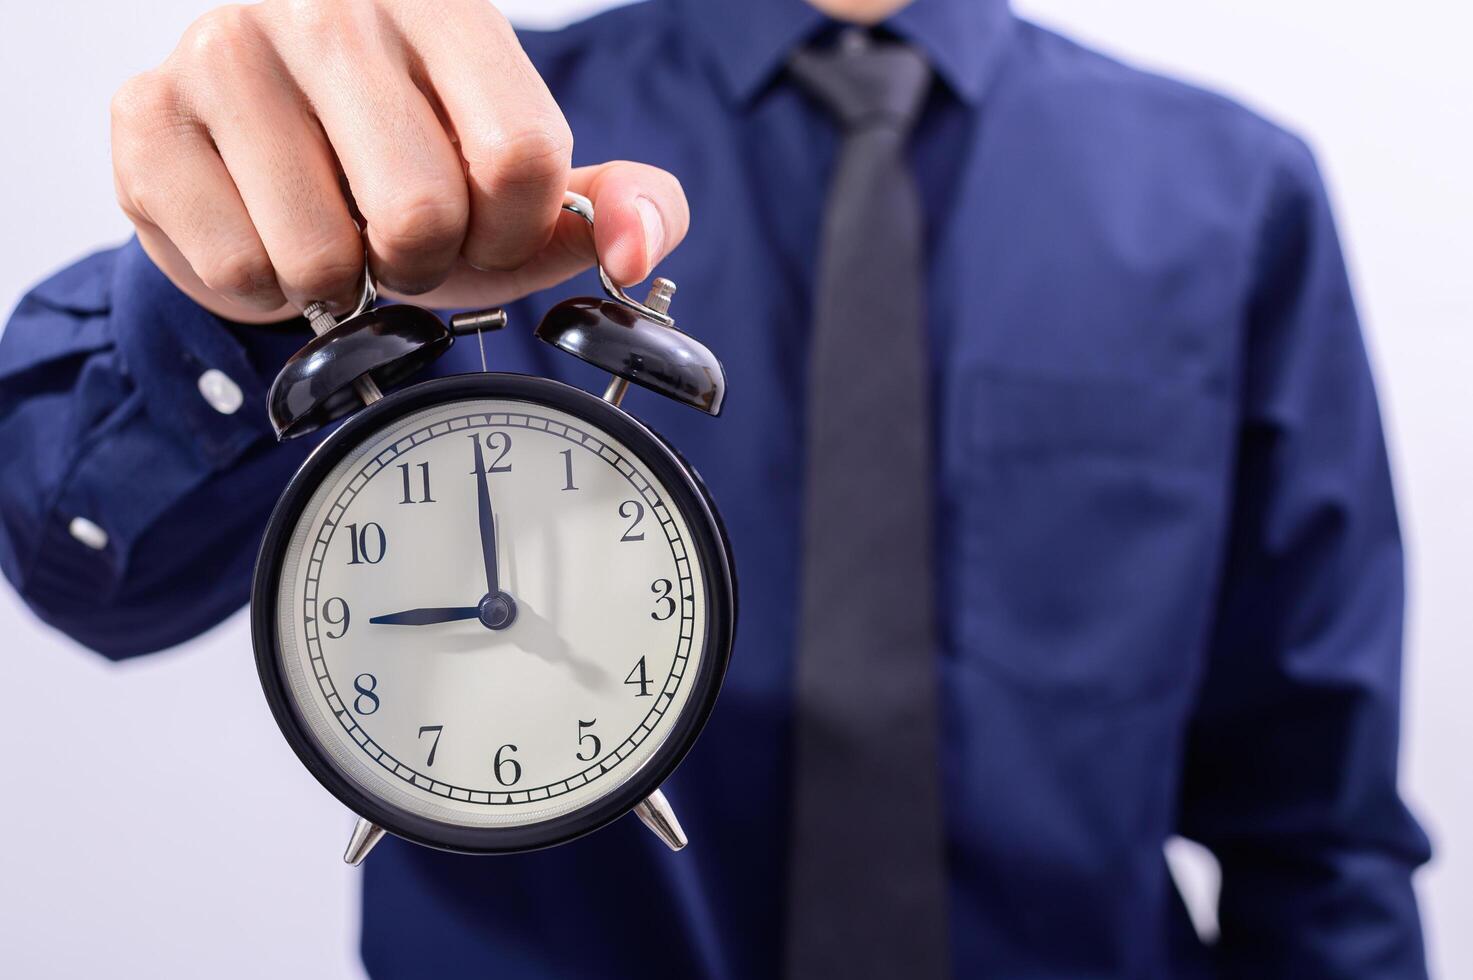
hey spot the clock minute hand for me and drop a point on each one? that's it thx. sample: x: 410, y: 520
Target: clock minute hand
x: 486, y: 519
x: 427, y: 616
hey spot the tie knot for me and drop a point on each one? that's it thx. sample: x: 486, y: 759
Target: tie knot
x: 865, y: 82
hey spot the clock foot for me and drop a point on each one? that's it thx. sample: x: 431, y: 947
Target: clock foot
x: 365, y: 835
x: 654, y: 810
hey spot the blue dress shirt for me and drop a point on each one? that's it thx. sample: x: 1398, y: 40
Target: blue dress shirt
x: 1171, y: 575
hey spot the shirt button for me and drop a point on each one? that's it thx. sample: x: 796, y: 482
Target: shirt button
x: 222, y: 394
x: 88, y: 533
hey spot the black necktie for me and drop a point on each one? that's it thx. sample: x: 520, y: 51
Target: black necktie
x: 868, y: 880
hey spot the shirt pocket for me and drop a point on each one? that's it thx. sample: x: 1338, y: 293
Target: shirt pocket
x: 1089, y: 519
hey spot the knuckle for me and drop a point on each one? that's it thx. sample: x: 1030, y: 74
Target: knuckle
x: 225, y: 35
x: 134, y: 210
x: 531, y: 155
x: 149, y: 118
x: 321, y: 19
x: 144, y: 108
x: 513, y: 168
x: 328, y: 271
x: 494, y: 17
x: 137, y: 194
x: 132, y: 198
x: 143, y: 99
x: 243, y: 271
x: 420, y: 223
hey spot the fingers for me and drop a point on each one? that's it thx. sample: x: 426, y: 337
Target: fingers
x: 278, y: 159
x: 405, y: 175
x: 173, y: 185
x: 235, y: 158
x: 640, y: 216
x: 513, y: 139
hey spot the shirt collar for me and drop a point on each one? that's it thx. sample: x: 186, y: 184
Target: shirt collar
x: 749, y: 40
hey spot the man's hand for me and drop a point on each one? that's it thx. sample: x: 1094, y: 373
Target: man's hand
x: 242, y: 158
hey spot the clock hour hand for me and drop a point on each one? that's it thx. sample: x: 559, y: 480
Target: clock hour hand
x: 428, y: 616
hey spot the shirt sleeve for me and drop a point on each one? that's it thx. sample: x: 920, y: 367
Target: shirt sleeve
x: 1291, y: 767
x: 140, y: 466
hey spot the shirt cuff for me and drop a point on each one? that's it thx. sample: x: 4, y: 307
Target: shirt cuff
x: 196, y: 379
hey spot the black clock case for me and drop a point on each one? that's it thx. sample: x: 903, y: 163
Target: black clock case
x: 711, y: 545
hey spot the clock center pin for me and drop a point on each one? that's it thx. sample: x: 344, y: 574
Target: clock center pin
x: 497, y: 612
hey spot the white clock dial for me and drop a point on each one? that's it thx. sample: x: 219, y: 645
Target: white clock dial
x: 430, y: 708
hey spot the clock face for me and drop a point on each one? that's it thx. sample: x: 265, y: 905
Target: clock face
x: 492, y: 613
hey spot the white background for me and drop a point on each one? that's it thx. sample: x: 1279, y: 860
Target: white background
x: 153, y: 821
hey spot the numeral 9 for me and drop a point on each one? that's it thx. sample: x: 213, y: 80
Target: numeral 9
x: 341, y: 618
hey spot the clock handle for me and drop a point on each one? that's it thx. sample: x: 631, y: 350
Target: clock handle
x: 635, y: 342
x: 320, y: 318
x: 652, y: 309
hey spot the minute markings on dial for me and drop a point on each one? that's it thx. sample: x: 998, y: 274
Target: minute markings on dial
x: 668, y: 530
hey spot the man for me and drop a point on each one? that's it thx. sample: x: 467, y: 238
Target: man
x: 1132, y: 543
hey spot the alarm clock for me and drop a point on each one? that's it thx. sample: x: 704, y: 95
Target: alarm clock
x: 492, y: 612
